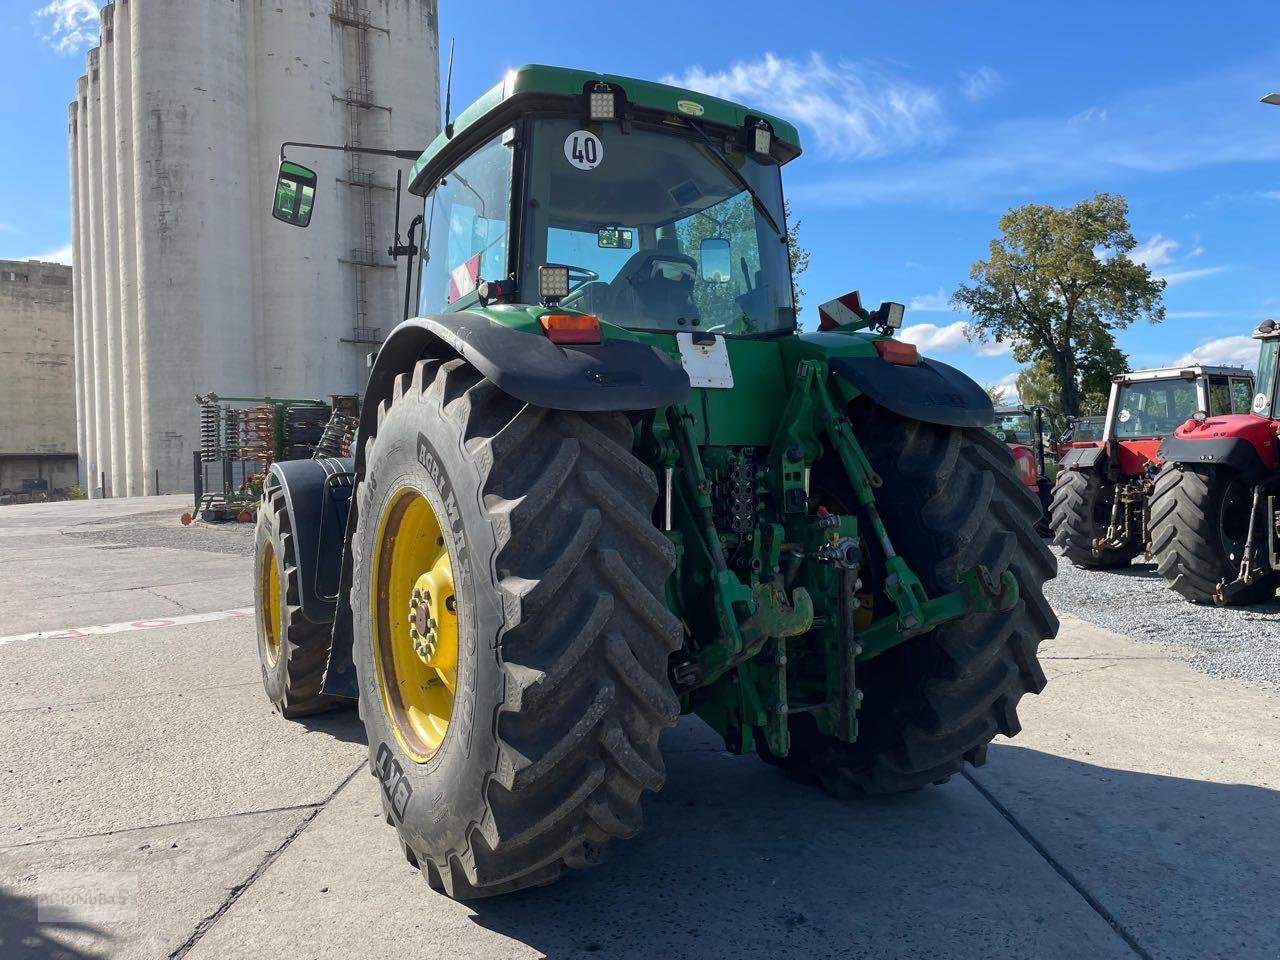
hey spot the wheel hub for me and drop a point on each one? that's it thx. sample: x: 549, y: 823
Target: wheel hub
x: 433, y: 618
x: 415, y: 623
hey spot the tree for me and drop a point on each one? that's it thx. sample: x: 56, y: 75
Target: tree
x: 735, y: 218
x: 797, y: 254
x: 1057, y: 283
x: 996, y: 394
x: 1097, y: 362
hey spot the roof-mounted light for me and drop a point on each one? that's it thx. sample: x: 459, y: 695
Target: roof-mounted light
x: 762, y: 137
x: 601, y: 102
x: 888, y: 315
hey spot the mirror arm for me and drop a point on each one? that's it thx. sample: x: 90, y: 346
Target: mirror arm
x: 409, y: 250
x: 345, y: 148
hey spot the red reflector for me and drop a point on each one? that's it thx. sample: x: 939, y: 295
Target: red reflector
x: 1025, y: 463
x: 898, y: 351
x: 571, y: 327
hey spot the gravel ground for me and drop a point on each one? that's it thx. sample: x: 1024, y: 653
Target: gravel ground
x: 162, y: 528
x: 1238, y: 642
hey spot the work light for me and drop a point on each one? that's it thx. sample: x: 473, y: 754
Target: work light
x: 763, y: 138
x: 553, y: 282
x: 600, y: 102
x: 889, y: 315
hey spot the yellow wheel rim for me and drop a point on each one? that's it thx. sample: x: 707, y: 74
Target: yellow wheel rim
x: 269, y: 604
x: 415, y: 623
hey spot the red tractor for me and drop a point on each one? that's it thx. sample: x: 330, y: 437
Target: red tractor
x: 1215, y: 512
x: 1100, y: 513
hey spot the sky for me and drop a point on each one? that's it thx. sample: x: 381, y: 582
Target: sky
x: 922, y: 123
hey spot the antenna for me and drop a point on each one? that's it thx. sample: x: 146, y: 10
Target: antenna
x: 448, y: 95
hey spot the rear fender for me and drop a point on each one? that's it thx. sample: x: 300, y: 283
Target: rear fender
x: 317, y: 494
x: 1234, y: 452
x: 931, y: 391
x: 1083, y: 458
x: 614, y: 375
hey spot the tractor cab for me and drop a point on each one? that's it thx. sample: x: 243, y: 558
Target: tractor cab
x: 1022, y: 428
x: 1148, y: 405
x: 1265, y: 402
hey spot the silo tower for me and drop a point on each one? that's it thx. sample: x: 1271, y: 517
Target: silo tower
x: 184, y: 283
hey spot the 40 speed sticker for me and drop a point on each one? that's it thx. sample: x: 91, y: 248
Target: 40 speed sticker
x: 583, y: 149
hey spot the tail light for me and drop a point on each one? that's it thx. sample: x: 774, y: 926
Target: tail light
x: 1024, y: 464
x: 898, y: 351
x: 571, y: 327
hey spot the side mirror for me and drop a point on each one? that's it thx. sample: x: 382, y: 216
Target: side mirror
x: 717, y: 261
x: 295, y: 194
x: 615, y: 238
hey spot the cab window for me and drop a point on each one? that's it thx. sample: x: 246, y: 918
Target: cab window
x: 1219, y: 397
x: 1241, y: 395
x: 467, y: 215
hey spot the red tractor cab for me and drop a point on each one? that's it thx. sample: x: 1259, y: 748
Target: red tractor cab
x: 1083, y: 432
x: 1215, y: 511
x: 1035, y: 462
x: 1100, y: 513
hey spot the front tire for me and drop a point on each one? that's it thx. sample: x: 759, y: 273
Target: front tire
x: 559, y: 685
x: 950, y: 500
x: 1079, y: 514
x: 1199, y: 525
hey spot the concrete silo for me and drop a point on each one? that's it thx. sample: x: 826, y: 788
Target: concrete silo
x: 83, y: 289
x: 99, y: 478
x: 127, y: 252
x: 77, y: 312
x: 194, y: 287
x: 110, y: 261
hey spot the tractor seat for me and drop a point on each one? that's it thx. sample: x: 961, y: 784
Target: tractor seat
x: 654, y: 291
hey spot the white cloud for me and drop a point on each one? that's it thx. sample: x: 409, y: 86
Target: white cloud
x: 938, y: 302
x: 1009, y: 384
x: 950, y: 337
x: 1154, y: 252
x: 60, y: 255
x: 1176, y: 277
x: 981, y: 83
x: 852, y: 109
x: 1229, y: 351
x: 73, y: 24
x: 1141, y: 133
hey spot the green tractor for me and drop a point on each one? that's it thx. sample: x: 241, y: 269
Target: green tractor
x: 603, y: 480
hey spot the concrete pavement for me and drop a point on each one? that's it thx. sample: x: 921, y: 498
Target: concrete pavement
x: 150, y: 789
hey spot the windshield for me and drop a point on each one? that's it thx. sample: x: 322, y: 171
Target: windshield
x: 1154, y: 408
x: 1265, y: 397
x: 659, y: 234
x: 1085, y: 429
x: 1012, y: 427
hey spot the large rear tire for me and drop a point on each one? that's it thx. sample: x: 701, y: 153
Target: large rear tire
x: 950, y: 499
x: 1079, y: 514
x: 559, y: 689
x: 1199, y: 525
x: 292, y: 651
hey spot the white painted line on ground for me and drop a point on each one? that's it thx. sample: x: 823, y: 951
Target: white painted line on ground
x: 77, y: 632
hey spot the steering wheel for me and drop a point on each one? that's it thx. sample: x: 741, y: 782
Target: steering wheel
x: 581, y: 276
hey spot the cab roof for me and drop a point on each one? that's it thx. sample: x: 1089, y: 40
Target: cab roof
x: 1189, y: 371
x: 536, y: 86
